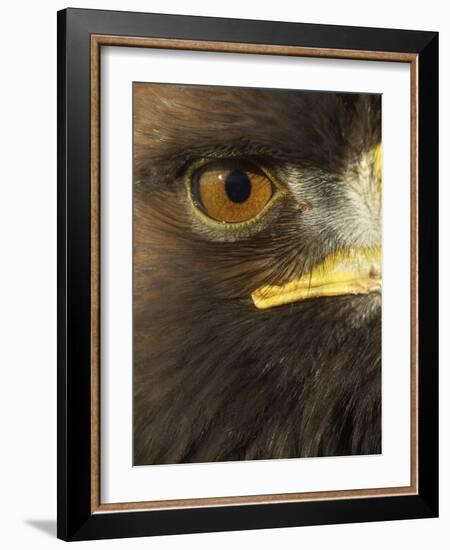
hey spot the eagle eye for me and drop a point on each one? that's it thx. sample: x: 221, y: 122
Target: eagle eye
x: 230, y: 191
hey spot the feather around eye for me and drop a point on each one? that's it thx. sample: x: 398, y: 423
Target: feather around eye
x: 231, y: 192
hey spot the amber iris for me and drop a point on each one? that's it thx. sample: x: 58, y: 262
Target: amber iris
x: 231, y: 192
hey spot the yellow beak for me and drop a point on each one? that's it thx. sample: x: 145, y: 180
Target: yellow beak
x: 354, y: 271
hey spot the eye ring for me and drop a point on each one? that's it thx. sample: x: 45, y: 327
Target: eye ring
x: 231, y: 193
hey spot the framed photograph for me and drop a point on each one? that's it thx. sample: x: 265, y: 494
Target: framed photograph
x: 247, y: 254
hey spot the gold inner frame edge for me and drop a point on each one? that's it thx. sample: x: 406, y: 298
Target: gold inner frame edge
x: 97, y: 41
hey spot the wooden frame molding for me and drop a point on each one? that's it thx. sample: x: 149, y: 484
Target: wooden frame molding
x: 96, y: 42
x: 82, y: 33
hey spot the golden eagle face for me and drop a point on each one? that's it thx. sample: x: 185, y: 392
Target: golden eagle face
x: 257, y: 305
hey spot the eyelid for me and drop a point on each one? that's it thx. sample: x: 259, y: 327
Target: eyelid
x: 279, y: 193
x: 204, y: 161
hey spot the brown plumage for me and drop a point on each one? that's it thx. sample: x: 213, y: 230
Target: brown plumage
x: 215, y: 378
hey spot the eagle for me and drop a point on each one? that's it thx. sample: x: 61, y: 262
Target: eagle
x: 256, y: 273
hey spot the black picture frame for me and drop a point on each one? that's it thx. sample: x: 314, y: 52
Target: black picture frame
x: 76, y: 521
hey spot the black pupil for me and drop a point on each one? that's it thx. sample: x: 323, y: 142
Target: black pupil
x: 238, y: 186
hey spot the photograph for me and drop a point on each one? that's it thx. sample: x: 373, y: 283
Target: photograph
x: 247, y: 274
x: 224, y: 275
x: 256, y: 273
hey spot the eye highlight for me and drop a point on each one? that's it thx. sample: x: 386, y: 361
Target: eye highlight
x: 231, y: 191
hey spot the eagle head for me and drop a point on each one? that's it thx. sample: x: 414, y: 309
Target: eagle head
x: 257, y: 274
